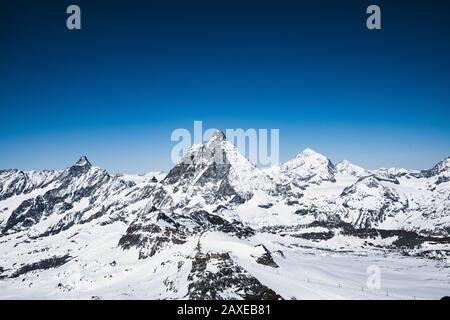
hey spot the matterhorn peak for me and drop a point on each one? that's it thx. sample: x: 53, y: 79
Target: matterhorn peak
x: 83, y: 161
x: 217, y: 135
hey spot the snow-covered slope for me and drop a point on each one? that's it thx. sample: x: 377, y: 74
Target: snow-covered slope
x: 442, y: 168
x: 307, y: 167
x: 346, y: 167
x: 368, y: 203
x: 54, y: 201
x: 393, y: 173
x: 218, y: 227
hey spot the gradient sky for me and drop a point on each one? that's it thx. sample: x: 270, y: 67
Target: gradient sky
x: 137, y: 70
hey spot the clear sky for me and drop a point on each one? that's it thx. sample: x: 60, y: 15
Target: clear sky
x: 137, y: 70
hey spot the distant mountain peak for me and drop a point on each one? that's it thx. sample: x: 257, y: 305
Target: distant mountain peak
x: 82, y: 162
x: 310, y: 153
x: 311, y: 166
x: 346, y: 167
x: 311, y: 158
x: 217, y: 135
x: 345, y: 163
x: 441, y: 167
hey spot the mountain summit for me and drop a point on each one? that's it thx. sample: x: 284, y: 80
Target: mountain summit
x: 217, y: 135
x: 83, y: 161
x: 213, y: 172
x: 349, y: 168
x: 442, y: 167
x: 309, y: 166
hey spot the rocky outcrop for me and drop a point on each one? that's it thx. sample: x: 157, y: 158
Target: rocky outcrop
x: 154, y: 230
x: 215, y: 276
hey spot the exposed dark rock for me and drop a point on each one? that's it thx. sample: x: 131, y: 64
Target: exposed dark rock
x: 302, y: 212
x: 154, y: 230
x: 442, y: 179
x: 220, y: 208
x: 440, y: 255
x: 440, y: 167
x: 315, y: 235
x: 207, y: 221
x: 53, y: 262
x: 266, y: 258
x: 224, y: 277
x: 405, y: 239
x: 151, y: 232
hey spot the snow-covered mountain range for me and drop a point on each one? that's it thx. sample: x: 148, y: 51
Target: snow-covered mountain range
x: 217, y: 227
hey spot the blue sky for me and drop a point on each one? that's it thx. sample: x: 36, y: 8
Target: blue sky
x: 137, y: 70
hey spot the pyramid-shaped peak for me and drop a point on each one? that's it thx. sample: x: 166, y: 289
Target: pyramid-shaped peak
x: 217, y: 135
x: 83, y: 161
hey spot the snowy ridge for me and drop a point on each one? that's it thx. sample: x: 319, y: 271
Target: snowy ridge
x: 393, y: 173
x: 83, y: 233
